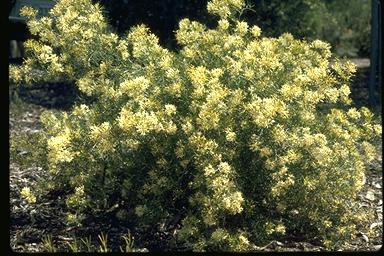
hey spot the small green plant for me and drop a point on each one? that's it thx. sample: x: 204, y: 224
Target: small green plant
x: 129, y: 243
x: 87, y: 243
x: 237, y: 137
x: 74, y: 246
x: 48, y: 244
x: 103, y: 238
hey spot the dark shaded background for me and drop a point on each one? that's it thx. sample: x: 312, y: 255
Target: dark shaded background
x: 345, y: 24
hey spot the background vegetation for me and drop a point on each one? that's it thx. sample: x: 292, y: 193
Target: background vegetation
x: 345, y: 24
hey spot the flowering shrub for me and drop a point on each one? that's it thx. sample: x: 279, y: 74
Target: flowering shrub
x: 242, y: 137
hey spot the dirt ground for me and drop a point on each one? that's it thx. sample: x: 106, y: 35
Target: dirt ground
x: 29, y: 224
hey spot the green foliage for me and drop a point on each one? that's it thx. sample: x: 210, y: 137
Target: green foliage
x: 344, y: 24
x: 277, y: 17
x: 237, y: 137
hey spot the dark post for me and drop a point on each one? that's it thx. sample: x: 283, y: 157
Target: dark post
x: 375, y: 82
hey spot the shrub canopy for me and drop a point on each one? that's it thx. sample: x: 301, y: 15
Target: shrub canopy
x: 237, y: 137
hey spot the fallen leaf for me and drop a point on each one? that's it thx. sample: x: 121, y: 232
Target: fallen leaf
x: 22, y: 152
x: 279, y: 243
x: 63, y: 238
x: 375, y: 224
x: 364, y: 205
x: 364, y: 237
x: 364, y: 180
x: 370, y: 195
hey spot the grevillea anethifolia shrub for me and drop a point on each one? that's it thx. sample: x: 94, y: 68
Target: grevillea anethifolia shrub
x: 241, y: 138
